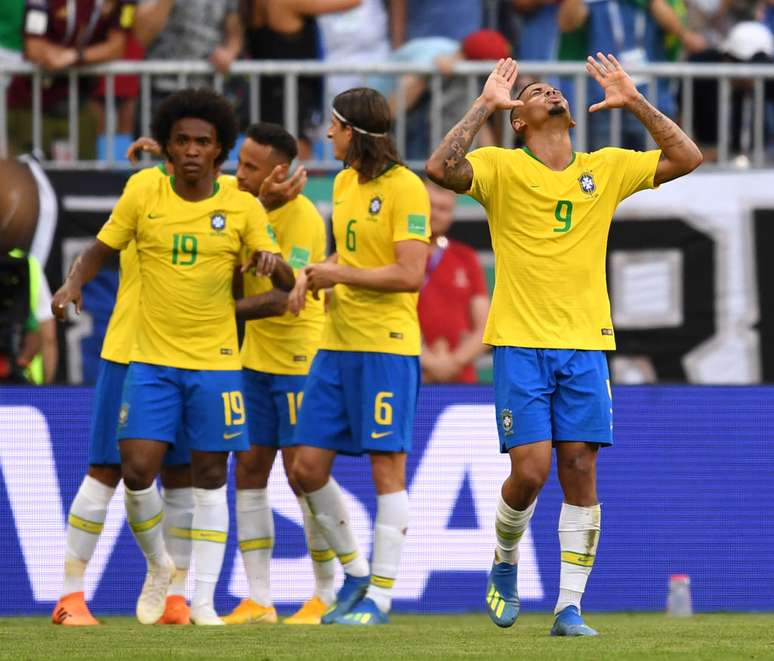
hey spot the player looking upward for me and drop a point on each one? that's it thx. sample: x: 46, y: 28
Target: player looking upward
x: 89, y: 507
x: 360, y: 396
x: 277, y: 352
x: 184, y: 371
x: 549, y: 211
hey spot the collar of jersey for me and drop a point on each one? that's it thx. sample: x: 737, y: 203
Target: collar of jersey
x: 215, y: 189
x: 528, y: 151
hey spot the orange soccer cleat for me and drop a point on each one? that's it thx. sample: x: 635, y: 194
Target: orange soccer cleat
x: 309, y: 613
x: 249, y: 612
x: 71, y: 611
x: 175, y: 611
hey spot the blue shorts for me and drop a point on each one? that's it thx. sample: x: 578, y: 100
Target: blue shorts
x: 273, y: 402
x: 103, y: 444
x: 552, y: 395
x: 357, y: 402
x: 203, y: 407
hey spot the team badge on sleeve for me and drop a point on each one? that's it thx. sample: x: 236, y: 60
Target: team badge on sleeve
x: 506, y: 420
x: 586, y: 181
x: 417, y: 224
x: 218, y: 222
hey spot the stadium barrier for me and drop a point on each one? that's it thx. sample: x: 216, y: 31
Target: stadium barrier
x: 686, y: 489
x: 472, y: 73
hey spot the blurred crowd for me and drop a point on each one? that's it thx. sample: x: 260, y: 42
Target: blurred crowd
x: 59, y: 34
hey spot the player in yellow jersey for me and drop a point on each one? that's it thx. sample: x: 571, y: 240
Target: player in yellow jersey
x: 360, y: 396
x: 277, y: 352
x: 549, y: 211
x: 185, y: 372
x: 89, y: 507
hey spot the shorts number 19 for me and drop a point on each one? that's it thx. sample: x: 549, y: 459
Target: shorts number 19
x: 233, y: 408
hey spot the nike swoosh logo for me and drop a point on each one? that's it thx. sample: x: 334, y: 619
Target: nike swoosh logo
x: 380, y: 434
x: 154, y: 216
x: 228, y: 437
x: 337, y: 202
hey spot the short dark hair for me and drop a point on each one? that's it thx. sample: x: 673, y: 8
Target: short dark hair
x: 201, y: 104
x: 275, y: 136
x: 515, y: 110
x: 366, y: 109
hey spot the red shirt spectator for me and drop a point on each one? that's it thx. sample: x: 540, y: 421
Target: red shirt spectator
x: 62, y: 33
x: 454, y: 301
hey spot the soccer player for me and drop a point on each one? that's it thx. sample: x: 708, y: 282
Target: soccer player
x: 549, y: 211
x: 89, y: 507
x: 184, y: 371
x: 277, y: 352
x: 360, y: 396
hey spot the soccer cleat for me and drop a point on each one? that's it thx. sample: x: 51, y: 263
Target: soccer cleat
x: 363, y: 613
x: 205, y: 615
x: 569, y: 622
x: 352, y: 590
x: 153, y: 598
x: 175, y: 611
x: 71, y: 611
x: 249, y: 612
x: 309, y: 613
x: 502, y: 598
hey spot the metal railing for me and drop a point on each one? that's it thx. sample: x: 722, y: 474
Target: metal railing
x: 472, y: 72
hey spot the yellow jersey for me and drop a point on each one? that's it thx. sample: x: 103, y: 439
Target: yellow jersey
x: 549, y: 235
x: 287, y: 344
x: 367, y: 221
x: 187, y: 252
x: 119, y: 337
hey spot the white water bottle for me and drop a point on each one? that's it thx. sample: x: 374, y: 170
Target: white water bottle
x: 679, y: 600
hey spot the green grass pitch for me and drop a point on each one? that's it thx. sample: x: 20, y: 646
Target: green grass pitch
x: 623, y: 636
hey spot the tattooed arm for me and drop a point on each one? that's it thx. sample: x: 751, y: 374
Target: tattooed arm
x: 448, y: 166
x: 679, y: 154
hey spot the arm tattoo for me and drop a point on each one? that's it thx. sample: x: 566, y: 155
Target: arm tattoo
x: 457, y: 172
x: 668, y: 135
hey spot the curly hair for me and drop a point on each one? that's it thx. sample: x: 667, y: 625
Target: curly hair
x: 203, y: 104
x: 367, y: 109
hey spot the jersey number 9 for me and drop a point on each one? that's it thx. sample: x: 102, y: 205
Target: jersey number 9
x: 563, y: 214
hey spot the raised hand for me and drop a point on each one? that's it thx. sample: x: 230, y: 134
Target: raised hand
x: 142, y: 144
x: 278, y: 189
x: 497, y: 89
x: 619, y: 88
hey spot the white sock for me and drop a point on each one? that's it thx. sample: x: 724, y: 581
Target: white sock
x: 392, y: 515
x: 178, y: 516
x: 84, y: 525
x: 144, y: 512
x: 579, y: 529
x: 209, y: 531
x: 322, y: 555
x: 330, y: 512
x: 510, y: 525
x: 255, y: 531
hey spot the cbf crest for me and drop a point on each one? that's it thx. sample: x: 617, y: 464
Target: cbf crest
x: 375, y: 205
x: 506, y: 420
x: 587, y: 184
x: 218, y: 222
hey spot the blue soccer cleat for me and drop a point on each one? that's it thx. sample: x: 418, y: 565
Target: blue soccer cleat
x: 364, y: 613
x: 569, y: 622
x: 352, y: 590
x: 502, y: 599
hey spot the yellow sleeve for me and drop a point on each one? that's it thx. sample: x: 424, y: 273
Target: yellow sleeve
x: 637, y: 169
x: 484, y: 166
x: 259, y: 234
x: 120, y: 229
x: 411, y: 210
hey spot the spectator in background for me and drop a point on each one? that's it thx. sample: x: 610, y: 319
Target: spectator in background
x: 209, y: 30
x: 11, y: 40
x: 635, y: 34
x: 538, y: 32
x: 287, y: 30
x: 416, y: 19
x: 453, y: 302
x: 59, y: 34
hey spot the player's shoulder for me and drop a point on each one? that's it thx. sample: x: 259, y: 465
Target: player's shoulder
x: 400, y: 176
x: 496, y: 153
x: 226, y: 181
x: 146, y: 178
x: 306, y: 208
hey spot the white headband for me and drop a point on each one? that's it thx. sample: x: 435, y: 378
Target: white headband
x: 344, y: 120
